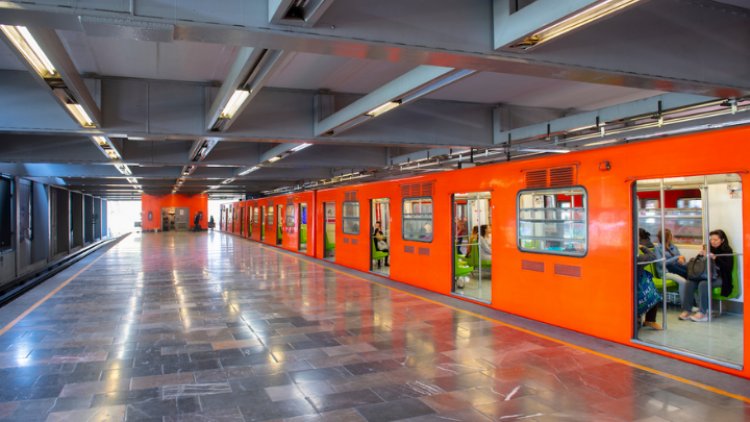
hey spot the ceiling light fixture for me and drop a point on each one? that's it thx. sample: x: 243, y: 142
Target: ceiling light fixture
x: 300, y: 147
x: 383, y: 108
x: 583, y: 17
x: 552, y: 150
x: 25, y: 43
x: 124, y: 169
x: 80, y: 115
x: 248, y: 171
x: 274, y: 159
x: 235, y: 102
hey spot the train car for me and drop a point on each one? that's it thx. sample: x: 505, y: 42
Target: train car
x: 555, y: 238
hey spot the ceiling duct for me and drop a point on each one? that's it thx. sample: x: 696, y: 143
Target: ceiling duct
x: 297, y: 12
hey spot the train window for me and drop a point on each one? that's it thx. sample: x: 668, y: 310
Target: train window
x: 553, y: 221
x: 350, y: 216
x: 6, y: 209
x: 256, y: 214
x: 417, y: 219
x: 290, y: 215
x: 269, y: 215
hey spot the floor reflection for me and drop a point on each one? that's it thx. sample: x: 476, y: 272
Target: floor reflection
x: 204, y: 326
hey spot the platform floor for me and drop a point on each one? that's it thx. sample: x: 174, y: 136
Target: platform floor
x: 206, y: 326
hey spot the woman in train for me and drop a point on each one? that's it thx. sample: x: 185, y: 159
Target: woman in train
x: 676, y: 268
x: 722, y: 257
x: 473, y: 239
x: 485, y: 242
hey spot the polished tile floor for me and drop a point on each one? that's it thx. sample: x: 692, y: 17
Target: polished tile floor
x: 205, y: 326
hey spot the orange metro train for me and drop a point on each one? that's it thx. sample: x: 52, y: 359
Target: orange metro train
x: 550, y: 238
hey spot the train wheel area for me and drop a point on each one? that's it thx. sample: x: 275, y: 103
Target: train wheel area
x: 208, y: 325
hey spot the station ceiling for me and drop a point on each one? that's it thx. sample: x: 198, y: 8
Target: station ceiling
x: 155, y: 78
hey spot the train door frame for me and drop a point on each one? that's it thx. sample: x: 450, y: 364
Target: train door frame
x: 468, y: 274
x: 279, y: 225
x: 302, y: 216
x: 249, y: 220
x: 653, y: 218
x: 329, y: 219
x: 376, y: 214
x: 262, y: 223
x: 242, y: 220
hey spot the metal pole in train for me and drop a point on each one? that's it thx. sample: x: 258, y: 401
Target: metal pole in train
x: 663, y: 258
x: 707, y: 245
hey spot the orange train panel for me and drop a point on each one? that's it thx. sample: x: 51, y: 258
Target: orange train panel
x: 599, y: 301
x: 154, y: 204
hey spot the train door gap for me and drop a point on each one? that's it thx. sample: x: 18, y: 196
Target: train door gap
x: 302, y: 229
x: 676, y: 219
x: 472, y: 245
x: 262, y: 223
x: 329, y: 231
x: 380, y: 236
x: 280, y: 224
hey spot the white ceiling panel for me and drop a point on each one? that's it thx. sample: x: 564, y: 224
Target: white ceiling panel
x: 179, y: 60
x: 529, y: 91
x: 338, y: 74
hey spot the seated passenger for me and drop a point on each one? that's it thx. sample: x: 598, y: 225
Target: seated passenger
x: 426, y: 232
x: 381, y: 244
x: 645, y: 256
x: 485, y: 242
x: 676, y: 268
x: 473, y: 239
x: 721, y: 255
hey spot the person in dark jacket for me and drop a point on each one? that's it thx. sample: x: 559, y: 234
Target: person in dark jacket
x: 197, y: 221
x: 722, y: 256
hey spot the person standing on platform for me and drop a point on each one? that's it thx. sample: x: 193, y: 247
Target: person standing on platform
x: 197, y: 221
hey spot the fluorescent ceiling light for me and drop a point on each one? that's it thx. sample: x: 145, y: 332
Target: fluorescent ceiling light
x: 300, y: 147
x: 80, y: 115
x: 248, y: 171
x: 112, y: 154
x: 553, y: 150
x: 124, y: 169
x: 235, y: 101
x: 102, y: 141
x: 230, y: 180
x: 274, y: 159
x: 604, y: 142
x: 30, y: 50
x: 132, y: 180
x: 575, y: 21
x: 377, y: 111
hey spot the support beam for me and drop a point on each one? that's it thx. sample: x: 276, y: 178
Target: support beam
x: 514, y: 30
x: 593, y: 118
x: 720, y: 38
x: 408, y: 87
x: 65, y: 85
x: 248, y: 74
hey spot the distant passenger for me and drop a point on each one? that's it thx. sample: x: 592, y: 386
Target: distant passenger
x: 722, y: 257
x: 211, y: 222
x: 485, y: 242
x: 461, y: 234
x: 426, y: 232
x: 381, y: 243
x: 473, y: 239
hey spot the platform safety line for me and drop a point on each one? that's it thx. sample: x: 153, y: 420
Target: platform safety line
x: 677, y: 378
x: 45, y: 298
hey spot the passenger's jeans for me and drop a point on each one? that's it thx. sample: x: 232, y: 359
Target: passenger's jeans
x: 703, y: 294
x: 677, y: 268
